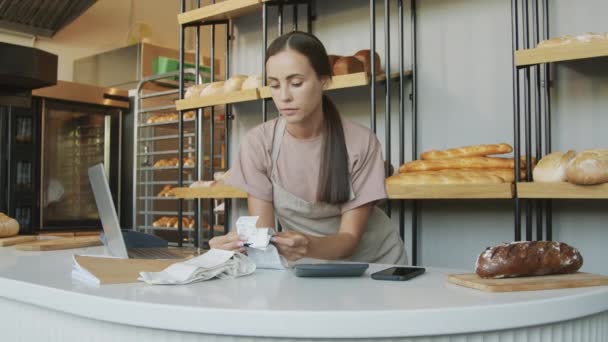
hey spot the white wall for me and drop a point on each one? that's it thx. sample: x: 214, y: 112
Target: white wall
x: 464, y: 97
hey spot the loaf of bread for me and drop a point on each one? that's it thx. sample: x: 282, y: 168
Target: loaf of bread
x: 253, y: 81
x: 467, y: 151
x: 557, y: 41
x: 461, y: 163
x: 365, y: 57
x: 195, y: 90
x: 234, y: 83
x: 552, y: 167
x: 8, y: 226
x: 167, y: 191
x: 215, y: 88
x: 333, y: 59
x: 347, y: 65
x: 528, y: 258
x: 189, y: 115
x: 588, y: 167
x: 440, y: 177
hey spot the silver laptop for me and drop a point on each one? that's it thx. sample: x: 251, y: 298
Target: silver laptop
x: 111, y: 225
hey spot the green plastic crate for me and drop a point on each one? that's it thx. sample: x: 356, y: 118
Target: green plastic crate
x: 162, y: 65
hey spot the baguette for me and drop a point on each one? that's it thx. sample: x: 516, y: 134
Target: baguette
x: 528, y: 258
x: 467, y: 151
x: 461, y: 163
x: 444, y: 177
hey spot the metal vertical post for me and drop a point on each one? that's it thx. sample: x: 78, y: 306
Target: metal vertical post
x: 264, y: 45
x: 537, y: 116
x: 372, y: 83
x: 547, y: 102
x: 387, y: 99
x: 227, y: 123
x: 280, y: 18
x: 211, y: 219
x: 309, y: 17
x: 295, y: 17
x: 199, y: 118
x: 415, y: 208
x: 527, y: 116
x: 180, y: 128
x: 516, y: 115
x: 401, y: 114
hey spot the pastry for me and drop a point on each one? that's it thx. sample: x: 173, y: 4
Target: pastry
x: 234, y: 83
x: 332, y: 60
x: 195, y: 90
x: 438, y: 177
x: 8, y: 226
x: 216, y: 88
x: 253, y: 81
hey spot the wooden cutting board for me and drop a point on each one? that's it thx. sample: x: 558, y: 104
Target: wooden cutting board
x: 550, y: 282
x: 14, y: 240
x: 60, y: 243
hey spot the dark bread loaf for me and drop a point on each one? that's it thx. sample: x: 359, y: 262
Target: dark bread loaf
x: 528, y: 258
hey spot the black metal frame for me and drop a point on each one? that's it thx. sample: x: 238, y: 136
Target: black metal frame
x: 373, y: 72
x: 542, y: 107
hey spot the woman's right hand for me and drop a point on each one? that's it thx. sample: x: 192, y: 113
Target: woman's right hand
x: 230, y: 242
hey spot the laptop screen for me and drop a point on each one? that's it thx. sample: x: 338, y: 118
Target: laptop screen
x: 107, y: 211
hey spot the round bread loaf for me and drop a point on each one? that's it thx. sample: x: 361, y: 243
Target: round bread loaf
x: 528, y: 258
x: 588, y: 167
x: 347, y: 65
x: 552, y: 167
x: 215, y: 88
x: 365, y: 57
x: 253, y: 81
x: 195, y: 90
x: 8, y: 226
x: 234, y: 83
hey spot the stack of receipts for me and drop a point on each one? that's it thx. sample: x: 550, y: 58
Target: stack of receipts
x: 257, y: 240
x: 215, y: 263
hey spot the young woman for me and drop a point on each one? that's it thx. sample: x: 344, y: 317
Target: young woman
x: 319, y: 174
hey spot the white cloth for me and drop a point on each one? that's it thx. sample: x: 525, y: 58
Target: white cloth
x: 215, y: 263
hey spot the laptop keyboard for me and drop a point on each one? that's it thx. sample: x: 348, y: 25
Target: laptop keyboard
x: 154, y: 253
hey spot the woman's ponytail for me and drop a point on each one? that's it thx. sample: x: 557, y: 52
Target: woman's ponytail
x: 334, y: 180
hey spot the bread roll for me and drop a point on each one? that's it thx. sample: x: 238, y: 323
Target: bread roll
x: 215, y: 88
x: 588, y: 167
x: 557, y: 41
x: 461, y: 163
x: 195, y: 90
x: 589, y: 36
x: 365, y: 58
x: 528, y: 258
x: 552, y: 167
x: 347, y: 65
x: 8, y: 226
x: 189, y: 115
x: 253, y: 81
x: 234, y: 83
x: 467, y: 151
x: 333, y: 59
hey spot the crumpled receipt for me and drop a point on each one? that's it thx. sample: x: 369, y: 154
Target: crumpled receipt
x: 214, y: 263
x: 257, y: 241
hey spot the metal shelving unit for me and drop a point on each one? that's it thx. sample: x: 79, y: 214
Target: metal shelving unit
x: 164, y: 140
x: 528, y: 27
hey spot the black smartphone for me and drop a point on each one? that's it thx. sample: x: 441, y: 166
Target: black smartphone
x: 398, y: 273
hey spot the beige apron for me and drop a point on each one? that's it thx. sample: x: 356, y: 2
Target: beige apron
x: 380, y: 242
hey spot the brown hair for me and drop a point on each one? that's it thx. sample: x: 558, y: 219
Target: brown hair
x: 334, y: 180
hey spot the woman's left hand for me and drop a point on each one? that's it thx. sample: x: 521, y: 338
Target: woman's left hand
x: 292, y: 245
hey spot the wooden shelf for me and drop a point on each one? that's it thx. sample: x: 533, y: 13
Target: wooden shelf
x: 358, y: 79
x: 208, y: 101
x: 216, y: 191
x: 338, y: 82
x: 561, y: 190
x: 568, y: 52
x: 450, y: 191
x: 224, y: 10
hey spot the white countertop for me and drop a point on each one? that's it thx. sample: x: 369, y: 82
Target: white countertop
x: 279, y: 304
